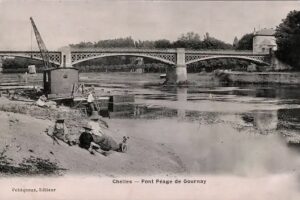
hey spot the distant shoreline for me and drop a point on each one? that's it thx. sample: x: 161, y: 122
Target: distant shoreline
x: 261, y: 77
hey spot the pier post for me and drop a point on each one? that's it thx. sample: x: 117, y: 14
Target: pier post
x: 66, y: 57
x: 1, y: 63
x: 181, y: 102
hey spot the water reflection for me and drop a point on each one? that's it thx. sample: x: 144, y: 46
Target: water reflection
x: 264, y: 121
x: 281, y: 119
x: 283, y: 92
x: 289, y: 119
x: 216, y: 129
x: 263, y: 108
x: 182, y: 100
x: 135, y: 110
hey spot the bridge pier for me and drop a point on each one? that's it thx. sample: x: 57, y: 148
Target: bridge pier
x: 1, y: 63
x: 178, y: 74
x: 66, y: 60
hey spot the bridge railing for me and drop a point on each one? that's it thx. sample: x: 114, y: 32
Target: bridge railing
x: 225, y: 52
x: 131, y: 50
x: 55, y: 56
x: 122, y: 50
x: 190, y: 51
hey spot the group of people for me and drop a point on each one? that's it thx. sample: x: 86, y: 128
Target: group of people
x: 92, y: 138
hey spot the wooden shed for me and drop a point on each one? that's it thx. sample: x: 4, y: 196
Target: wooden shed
x: 60, y: 81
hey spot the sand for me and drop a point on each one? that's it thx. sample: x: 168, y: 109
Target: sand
x: 25, y: 136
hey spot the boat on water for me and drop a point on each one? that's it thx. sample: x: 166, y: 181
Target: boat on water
x: 163, y: 76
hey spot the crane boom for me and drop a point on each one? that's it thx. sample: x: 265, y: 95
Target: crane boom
x: 42, y: 46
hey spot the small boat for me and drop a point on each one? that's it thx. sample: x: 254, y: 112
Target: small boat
x: 31, y: 69
x: 163, y: 76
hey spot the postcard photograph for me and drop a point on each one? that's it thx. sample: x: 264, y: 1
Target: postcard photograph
x: 149, y: 99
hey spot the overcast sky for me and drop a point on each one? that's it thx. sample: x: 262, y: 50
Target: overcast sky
x: 62, y: 22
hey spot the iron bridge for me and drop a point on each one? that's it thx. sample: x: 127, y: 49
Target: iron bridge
x: 168, y: 56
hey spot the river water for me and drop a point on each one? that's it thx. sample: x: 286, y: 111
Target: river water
x: 214, y: 129
x: 232, y: 136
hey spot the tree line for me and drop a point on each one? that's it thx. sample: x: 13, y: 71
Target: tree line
x: 188, y: 40
x: 288, y: 40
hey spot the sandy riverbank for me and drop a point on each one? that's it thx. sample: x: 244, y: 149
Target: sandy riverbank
x: 25, y: 137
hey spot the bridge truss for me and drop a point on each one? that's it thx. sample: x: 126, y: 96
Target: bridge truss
x: 54, y: 56
x: 169, y: 56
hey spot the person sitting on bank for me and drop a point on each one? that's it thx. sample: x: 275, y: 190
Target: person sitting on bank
x: 107, y: 144
x: 97, y: 123
x: 86, y: 138
x: 41, y: 102
x: 60, y: 131
x: 100, y: 143
x: 44, y: 102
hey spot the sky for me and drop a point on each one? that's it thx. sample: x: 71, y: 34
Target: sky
x: 63, y: 22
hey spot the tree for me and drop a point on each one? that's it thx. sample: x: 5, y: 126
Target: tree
x: 235, y: 42
x: 246, y: 42
x: 213, y: 43
x: 189, y: 40
x: 127, y: 42
x: 288, y: 40
x: 190, y: 36
x: 162, y: 44
x: 206, y: 36
x: 82, y: 45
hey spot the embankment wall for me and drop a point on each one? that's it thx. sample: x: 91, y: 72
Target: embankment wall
x: 264, y: 77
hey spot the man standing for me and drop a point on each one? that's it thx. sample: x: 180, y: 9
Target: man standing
x: 90, y: 101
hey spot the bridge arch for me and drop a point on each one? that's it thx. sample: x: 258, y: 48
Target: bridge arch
x: 124, y: 54
x: 254, y: 60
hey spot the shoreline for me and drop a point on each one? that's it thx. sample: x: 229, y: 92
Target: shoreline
x: 282, y: 78
x: 216, y: 78
x: 23, y: 132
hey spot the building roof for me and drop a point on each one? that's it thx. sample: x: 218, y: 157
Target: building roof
x: 265, y: 32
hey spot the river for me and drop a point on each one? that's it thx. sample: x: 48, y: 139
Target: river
x: 235, y: 137
x: 213, y: 128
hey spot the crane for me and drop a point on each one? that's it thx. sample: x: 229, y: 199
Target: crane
x: 42, y: 46
x: 59, y: 83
